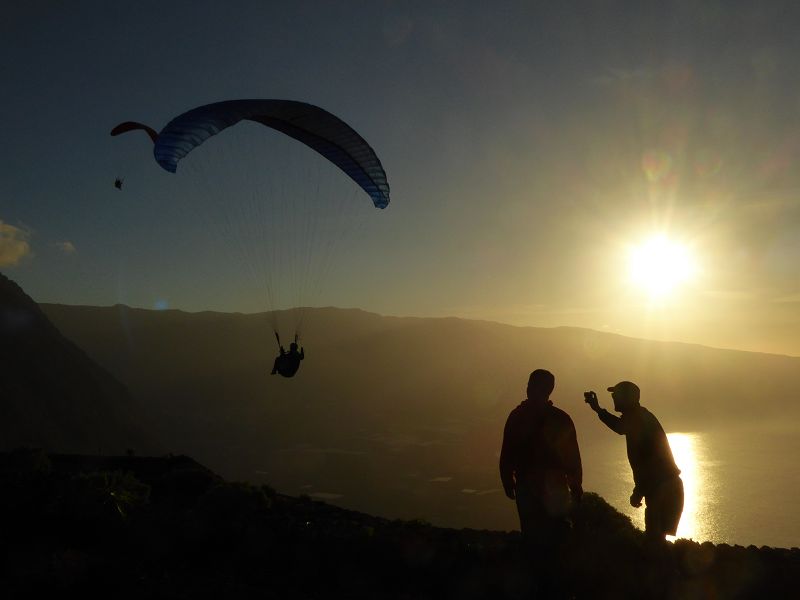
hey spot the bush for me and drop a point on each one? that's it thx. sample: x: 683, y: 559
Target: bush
x: 102, y: 499
x: 226, y: 512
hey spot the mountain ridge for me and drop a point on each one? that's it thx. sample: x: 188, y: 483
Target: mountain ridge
x: 51, y: 393
x: 263, y: 314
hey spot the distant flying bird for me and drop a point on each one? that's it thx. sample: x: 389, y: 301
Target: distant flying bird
x: 118, y: 183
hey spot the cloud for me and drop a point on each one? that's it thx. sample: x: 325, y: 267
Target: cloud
x: 66, y: 247
x: 733, y: 294
x: 13, y: 245
x: 790, y: 299
x: 523, y: 314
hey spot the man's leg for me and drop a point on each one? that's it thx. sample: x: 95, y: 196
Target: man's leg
x: 664, y: 508
x: 543, y: 536
x: 673, y: 505
x: 529, y: 510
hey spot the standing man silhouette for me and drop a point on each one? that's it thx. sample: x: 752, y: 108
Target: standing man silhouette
x: 655, y: 474
x: 540, y: 464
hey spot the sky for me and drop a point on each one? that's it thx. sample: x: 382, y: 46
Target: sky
x: 529, y: 148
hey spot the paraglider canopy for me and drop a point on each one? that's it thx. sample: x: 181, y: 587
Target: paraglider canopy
x: 134, y: 126
x: 313, y: 126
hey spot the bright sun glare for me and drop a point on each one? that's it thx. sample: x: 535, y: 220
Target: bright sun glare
x: 659, y: 266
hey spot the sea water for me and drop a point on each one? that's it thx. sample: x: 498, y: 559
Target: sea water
x: 741, y: 486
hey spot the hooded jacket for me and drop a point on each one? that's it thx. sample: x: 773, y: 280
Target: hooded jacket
x: 540, y: 447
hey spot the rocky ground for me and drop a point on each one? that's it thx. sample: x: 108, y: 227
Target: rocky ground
x: 135, y: 527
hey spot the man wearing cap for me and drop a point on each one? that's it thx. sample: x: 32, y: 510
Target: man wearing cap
x: 540, y: 464
x: 655, y: 474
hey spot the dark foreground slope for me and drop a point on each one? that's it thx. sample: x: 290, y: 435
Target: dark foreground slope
x: 131, y: 527
x: 51, y: 393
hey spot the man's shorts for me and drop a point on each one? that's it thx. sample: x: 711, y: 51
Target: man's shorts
x: 664, y: 507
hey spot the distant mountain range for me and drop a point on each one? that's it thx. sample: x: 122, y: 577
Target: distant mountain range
x: 52, y: 395
x: 399, y: 416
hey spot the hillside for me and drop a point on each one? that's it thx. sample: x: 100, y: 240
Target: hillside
x: 52, y: 395
x: 401, y: 416
x: 437, y: 365
x: 168, y: 527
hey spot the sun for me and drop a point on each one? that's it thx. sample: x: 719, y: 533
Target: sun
x: 659, y: 266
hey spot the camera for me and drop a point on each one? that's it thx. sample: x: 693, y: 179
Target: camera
x: 588, y: 396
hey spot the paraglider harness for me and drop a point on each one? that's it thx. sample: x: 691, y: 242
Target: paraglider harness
x: 287, y: 363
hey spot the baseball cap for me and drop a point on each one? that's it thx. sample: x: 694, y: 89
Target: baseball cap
x: 626, y: 388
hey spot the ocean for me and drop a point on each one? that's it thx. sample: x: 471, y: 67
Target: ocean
x: 741, y: 486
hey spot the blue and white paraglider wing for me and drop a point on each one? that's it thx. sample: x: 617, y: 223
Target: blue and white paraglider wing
x: 316, y: 128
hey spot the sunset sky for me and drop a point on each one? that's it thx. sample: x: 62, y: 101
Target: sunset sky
x: 533, y: 153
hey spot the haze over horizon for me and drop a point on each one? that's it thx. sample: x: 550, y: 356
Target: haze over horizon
x: 626, y: 168
x: 47, y: 305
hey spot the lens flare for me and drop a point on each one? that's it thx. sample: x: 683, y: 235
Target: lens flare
x: 657, y: 165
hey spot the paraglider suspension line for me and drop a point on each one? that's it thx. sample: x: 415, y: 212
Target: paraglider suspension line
x: 278, y: 338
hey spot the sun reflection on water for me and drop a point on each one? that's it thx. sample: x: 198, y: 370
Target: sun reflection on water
x: 685, y: 451
x: 731, y: 480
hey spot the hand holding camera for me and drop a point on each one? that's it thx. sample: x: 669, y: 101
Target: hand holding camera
x: 591, y: 399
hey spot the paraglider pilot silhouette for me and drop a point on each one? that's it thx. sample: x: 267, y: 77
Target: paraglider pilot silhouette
x: 655, y: 474
x: 287, y: 363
